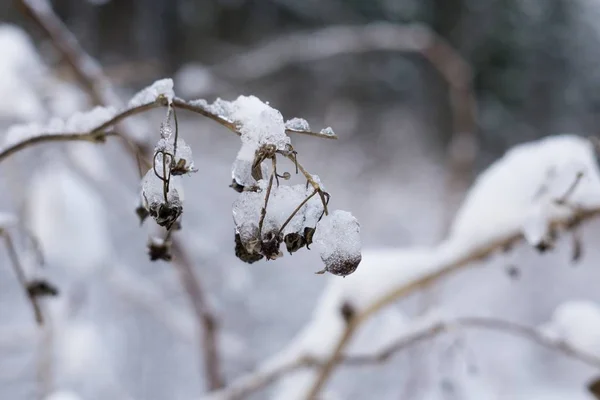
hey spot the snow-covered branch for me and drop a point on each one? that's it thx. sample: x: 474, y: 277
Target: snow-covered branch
x: 424, y: 328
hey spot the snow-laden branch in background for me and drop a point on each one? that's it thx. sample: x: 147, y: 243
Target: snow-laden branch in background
x: 492, y: 218
x: 573, y: 331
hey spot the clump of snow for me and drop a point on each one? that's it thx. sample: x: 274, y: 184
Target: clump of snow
x: 576, y: 322
x: 338, y: 239
x: 165, y: 211
x: 160, y: 88
x: 327, y: 131
x: 80, y: 122
x: 501, y: 200
x: 241, y: 172
x: 221, y: 108
x: 259, y: 125
x: 297, y: 124
x: 183, y: 161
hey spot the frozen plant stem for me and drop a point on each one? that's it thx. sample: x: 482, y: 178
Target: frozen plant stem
x: 20, y: 273
x: 311, y: 181
x: 263, y: 211
x: 287, y: 221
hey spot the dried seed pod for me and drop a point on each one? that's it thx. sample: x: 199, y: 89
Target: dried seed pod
x: 270, y: 245
x: 159, y: 249
x: 40, y: 288
x: 294, y: 242
x: 242, y: 252
x: 236, y: 186
x: 308, y: 236
x: 165, y: 214
x: 181, y: 168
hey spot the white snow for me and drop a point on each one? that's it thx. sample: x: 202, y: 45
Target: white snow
x: 282, y: 202
x: 297, y: 124
x: 534, y: 174
x: 162, y: 87
x: 80, y: 122
x: 221, y: 108
x: 576, y: 322
x: 166, y: 143
x: 327, y: 131
x: 338, y: 239
x: 153, y: 192
x: 260, y: 125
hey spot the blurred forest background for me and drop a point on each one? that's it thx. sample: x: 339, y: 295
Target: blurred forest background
x: 533, y: 73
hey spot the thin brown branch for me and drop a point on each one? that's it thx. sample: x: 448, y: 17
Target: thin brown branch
x: 96, y: 135
x: 21, y: 277
x: 251, y: 383
x: 205, y: 317
x: 287, y: 221
x: 231, y: 125
x: 442, y: 271
x: 292, y: 157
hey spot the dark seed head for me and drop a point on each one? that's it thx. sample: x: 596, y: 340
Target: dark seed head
x: 242, y: 252
x: 308, y: 236
x: 342, y: 266
x: 270, y: 246
x: 165, y: 214
x: 159, y: 250
x: 294, y: 242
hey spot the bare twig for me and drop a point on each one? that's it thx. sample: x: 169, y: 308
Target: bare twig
x: 310, y: 180
x: 431, y: 328
x: 562, y: 200
x: 205, y: 317
x: 438, y: 273
x: 20, y: 273
x: 231, y: 125
x: 287, y: 221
